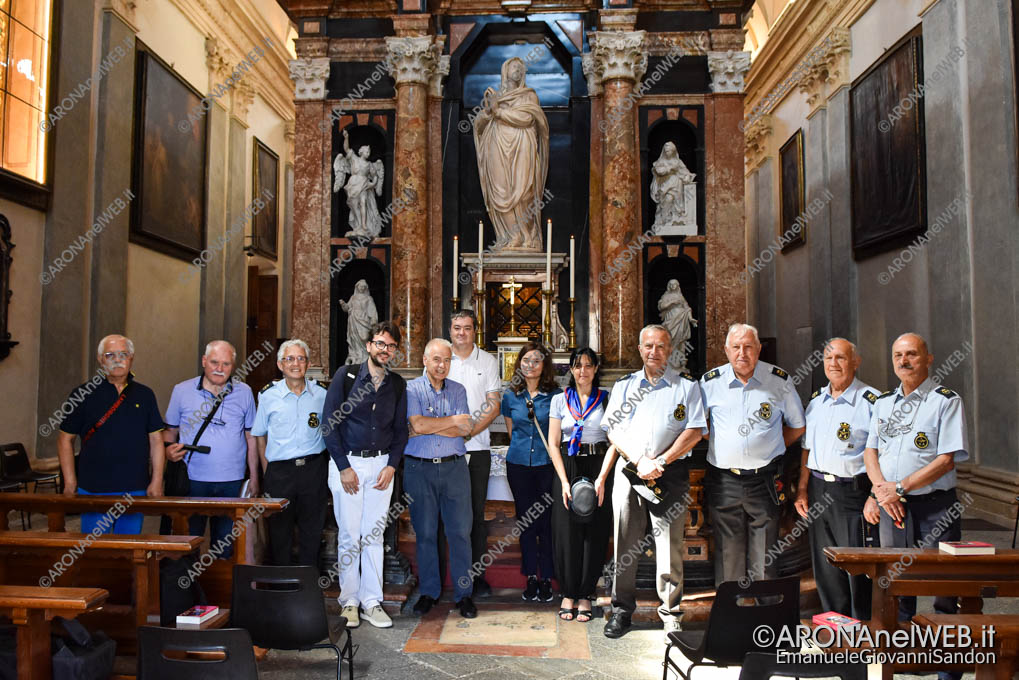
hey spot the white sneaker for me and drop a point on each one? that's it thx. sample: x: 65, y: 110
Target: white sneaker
x: 378, y: 617
x: 350, y: 613
x: 671, y: 626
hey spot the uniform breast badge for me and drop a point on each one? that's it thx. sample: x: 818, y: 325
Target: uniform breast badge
x: 843, y: 432
x: 921, y: 440
x: 680, y: 412
x: 765, y: 410
x: 313, y: 419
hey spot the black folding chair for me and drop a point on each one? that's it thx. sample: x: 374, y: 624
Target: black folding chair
x: 211, y: 654
x: 765, y: 666
x: 731, y: 624
x: 14, y: 467
x: 284, y: 608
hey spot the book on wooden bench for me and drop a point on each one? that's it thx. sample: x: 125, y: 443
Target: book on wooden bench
x: 966, y: 548
x: 835, y: 620
x: 196, y: 616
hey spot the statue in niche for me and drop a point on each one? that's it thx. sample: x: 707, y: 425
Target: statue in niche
x: 674, y: 192
x: 365, y: 179
x: 511, y: 137
x: 361, y: 316
x: 677, y: 317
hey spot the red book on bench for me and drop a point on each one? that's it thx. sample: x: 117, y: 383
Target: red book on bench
x: 835, y: 620
x: 196, y: 615
x: 966, y: 548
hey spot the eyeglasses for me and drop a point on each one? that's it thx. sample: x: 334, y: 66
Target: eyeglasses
x: 530, y: 408
x: 116, y: 355
x: 292, y: 359
x: 381, y: 345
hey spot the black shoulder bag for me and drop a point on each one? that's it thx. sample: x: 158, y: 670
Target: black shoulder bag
x: 175, y: 478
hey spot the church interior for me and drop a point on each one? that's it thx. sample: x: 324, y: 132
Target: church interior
x: 571, y: 172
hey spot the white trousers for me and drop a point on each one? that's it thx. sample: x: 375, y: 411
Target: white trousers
x: 361, y: 519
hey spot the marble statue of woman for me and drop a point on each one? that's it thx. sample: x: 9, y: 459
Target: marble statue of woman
x: 677, y: 317
x: 669, y: 190
x: 511, y: 137
x: 361, y: 316
x: 365, y: 178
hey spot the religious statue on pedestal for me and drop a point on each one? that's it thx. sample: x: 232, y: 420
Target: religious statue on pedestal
x: 365, y: 178
x: 511, y: 137
x: 674, y: 192
x: 677, y: 317
x: 361, y: 316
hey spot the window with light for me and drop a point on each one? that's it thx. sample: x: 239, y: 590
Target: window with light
x: 24, y: 81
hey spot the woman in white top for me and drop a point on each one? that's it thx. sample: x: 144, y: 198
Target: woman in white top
x: 577, y: 447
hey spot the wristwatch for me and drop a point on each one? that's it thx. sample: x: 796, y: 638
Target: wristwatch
x: 899, y: 491
x: 467, y: 438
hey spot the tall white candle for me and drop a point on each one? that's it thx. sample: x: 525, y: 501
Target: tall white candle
x: 548, y: 254
x: 456, y: 266
x: 573, y: 267
x: 481, y: 262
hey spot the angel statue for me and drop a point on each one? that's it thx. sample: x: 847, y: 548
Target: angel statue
x: 673, y: 189
x: 365, y: 176
x: 361, y: 316
x: 677, y: 317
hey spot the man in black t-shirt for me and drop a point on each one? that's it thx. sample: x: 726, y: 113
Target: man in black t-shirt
x: 120, y: 427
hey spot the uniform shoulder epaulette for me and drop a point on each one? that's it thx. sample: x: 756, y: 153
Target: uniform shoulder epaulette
x: 779, y: 372
x: 816, y: 394
x: 688, y: 377
x: 267, y: 387
x: 885, y: 394
x: 945, y: 392
x: 622, y: 378
x: 870, y: 396
x: 712, y: 374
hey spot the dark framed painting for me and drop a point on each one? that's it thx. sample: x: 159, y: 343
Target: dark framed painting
x: 888, y: 151
x: 265, y: 185
x: 168, y: 171
x: 791, y: 191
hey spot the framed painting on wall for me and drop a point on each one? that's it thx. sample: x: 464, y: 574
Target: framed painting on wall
x: 168, y: 170
x: 791, y: 191
x: 265, y: 185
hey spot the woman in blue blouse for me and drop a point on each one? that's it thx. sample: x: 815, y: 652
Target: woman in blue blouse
x: 528, y: 468
x: 577, y: 446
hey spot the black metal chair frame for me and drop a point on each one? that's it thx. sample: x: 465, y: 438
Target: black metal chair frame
x: 719, y: 633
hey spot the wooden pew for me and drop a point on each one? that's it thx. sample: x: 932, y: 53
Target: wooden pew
x: 31, y: 608
x: 1005, y: 645
x: 216, y: 580
x: 97, y: 562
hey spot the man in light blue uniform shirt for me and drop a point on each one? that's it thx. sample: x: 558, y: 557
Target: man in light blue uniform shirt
x: 917, y: 435
x: 653, y: 419
x: 288, y: 434
x: 754, y: 414
x: 435, y: 477
x: 834, y: 487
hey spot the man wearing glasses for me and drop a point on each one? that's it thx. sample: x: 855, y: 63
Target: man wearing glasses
x: 365, y: 427
x: 292, y: 451
x: 232, y: 453
x: 121, y: 432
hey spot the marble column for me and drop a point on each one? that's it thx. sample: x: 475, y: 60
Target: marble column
x: 619, y: 60
x: 595, y: 239
x: 413, y: 61
x: 311, y: 234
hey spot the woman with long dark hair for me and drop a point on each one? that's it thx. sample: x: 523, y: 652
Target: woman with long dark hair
x: 577, y: 447
x: 525, y: 406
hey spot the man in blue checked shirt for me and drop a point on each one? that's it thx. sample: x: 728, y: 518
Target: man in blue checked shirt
x: 917, y: 435
x: 754, y: 414
x: 834, y: 478
x: 292, y: 452
x: 435, y: 476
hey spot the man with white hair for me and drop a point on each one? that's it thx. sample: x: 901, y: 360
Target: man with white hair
x: 435, y: 476
x: 292, y: 451
x: 121, y: 435
x: 754, y: 414
x: 229, y: 407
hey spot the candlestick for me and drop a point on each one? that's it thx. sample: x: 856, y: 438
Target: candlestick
x: 456, y: 266
x: 572, y: 265
x: 573, y: 327
x: 548, y: 253
x: 546, y: 335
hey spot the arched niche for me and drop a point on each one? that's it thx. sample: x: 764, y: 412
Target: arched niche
x: 691, y: 151
x: 374, y: 274
x: 379, y: 141
x: 658, y: 273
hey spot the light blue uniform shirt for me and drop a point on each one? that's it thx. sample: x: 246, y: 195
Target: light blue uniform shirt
x: 910, y: 432
x: 424, y: 400
x: 746, y: 420
x: 291, y: 423
x: 837, y: 429
x: 645, y: 419
x: 228, y: 458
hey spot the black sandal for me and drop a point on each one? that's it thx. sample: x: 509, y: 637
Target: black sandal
x: 572, y: 613
x: 586, y: 613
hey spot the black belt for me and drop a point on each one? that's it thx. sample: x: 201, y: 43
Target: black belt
x: 930, y: 495
x: 437, y: 460
x: 300, y: 460
x: 741, y: 472
x: 595, y: 449
x: 368, y: 453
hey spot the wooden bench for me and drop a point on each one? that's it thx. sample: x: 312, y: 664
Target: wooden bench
x: 31, y: 608
x: 83, y: 559
x: 216, y: 580
x: 1005, y: 644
